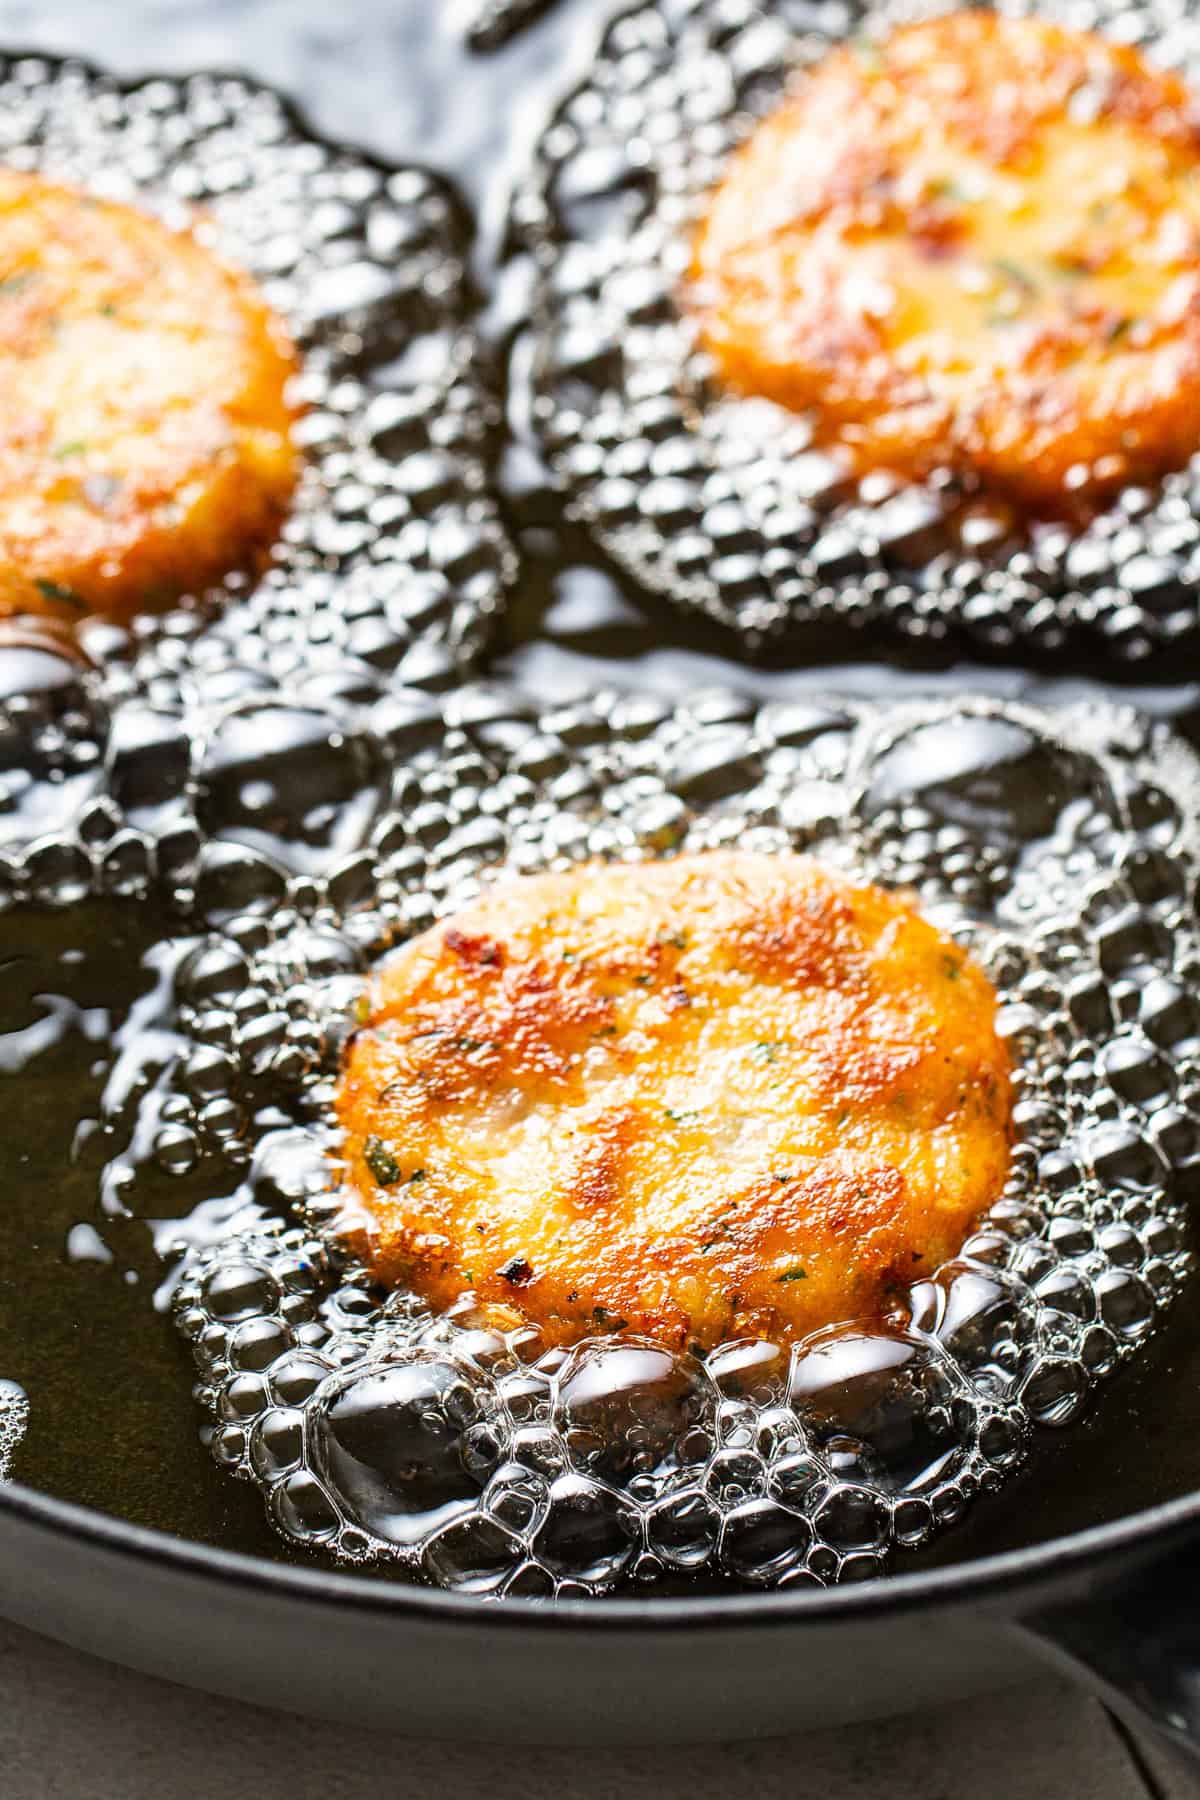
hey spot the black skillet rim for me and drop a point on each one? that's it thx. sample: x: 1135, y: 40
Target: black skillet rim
x: 1155, y: 1529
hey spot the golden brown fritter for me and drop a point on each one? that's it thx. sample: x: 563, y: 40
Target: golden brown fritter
x: 728, y: 1094
x: 145, y: 435
x: 974, y: 244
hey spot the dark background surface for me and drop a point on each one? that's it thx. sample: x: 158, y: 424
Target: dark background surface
x: 112, y: 1421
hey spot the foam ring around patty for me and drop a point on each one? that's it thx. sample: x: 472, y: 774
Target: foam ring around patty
x: 732, y: 506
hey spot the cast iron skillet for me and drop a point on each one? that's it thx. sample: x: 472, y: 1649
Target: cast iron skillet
x: 1115, y: 1604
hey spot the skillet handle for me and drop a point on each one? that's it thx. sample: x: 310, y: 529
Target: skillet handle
x: 1135, y: 1639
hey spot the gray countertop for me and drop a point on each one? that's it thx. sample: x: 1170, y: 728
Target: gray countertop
x: 72, y: 1728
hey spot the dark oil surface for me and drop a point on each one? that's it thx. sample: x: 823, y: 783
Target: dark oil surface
x: 112, y: 1423
x: 108, y: 1378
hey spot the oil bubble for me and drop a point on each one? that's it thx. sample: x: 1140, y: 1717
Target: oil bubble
x: 297, y: 784
x: 390, y: 1441
x: 995, y: 778
x: 53, y: 728
x: 896, y: 1407
x: 625, y: 1405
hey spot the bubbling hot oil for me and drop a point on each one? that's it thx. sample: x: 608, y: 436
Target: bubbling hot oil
x: 1061, y: 848
x: 392, y: 566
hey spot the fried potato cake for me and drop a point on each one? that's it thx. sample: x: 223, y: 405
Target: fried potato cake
x: 145, y: 433
x: 727, y: 1094
x: 974, y: 244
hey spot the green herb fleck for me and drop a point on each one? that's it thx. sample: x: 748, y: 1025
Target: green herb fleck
x: 66, y: 596
x: 719, y: 1227
x: 1016, y: 274
x: 362, y: 1009
x: 381, y: 1162
x: 796, y: 1274
x: 1117, y: 330
x: 944, y: 187
x: 417, y: 1175
x: 75, y: 447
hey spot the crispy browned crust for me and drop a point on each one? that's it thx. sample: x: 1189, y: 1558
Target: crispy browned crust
x: 145, y: 433
x: 725, y: 1094
x: 975, y: 244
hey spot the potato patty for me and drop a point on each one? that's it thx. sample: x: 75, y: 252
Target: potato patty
x: 974, y: 244
x: 728, y: 1094
x: 145, y: 435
